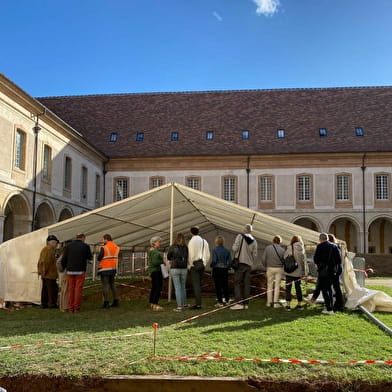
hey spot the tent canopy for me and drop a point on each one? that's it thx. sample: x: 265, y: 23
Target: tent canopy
x: 132, y: 222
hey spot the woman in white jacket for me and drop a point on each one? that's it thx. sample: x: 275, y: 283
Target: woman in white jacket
x: 297, y: 249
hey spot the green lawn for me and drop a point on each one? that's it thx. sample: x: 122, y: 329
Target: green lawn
x: 100, y: 346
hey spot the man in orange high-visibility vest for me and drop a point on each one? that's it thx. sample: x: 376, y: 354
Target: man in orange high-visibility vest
x: 107, y: 269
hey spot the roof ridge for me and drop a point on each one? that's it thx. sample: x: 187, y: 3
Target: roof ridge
x: 214, y: 91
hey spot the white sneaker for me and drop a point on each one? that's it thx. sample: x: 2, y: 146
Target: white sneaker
x: 237, y: 307
x: 325, y: 311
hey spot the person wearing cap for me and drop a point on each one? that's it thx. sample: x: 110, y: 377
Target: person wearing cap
x: 198, y: 249
x: 326, y: 257
x: 47, y: 270
x: 245, y: 248
x: 74, y: 260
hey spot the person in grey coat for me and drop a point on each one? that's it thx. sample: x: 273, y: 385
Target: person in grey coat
x: 245, y: 247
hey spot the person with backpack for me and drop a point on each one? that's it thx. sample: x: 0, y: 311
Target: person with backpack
x: 245, y: 248
x: 296, y: 249
x: 177, y: 255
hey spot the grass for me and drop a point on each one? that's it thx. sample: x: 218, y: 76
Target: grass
x: 259, y: 332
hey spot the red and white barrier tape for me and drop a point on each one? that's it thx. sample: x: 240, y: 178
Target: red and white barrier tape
x: 219, y: 357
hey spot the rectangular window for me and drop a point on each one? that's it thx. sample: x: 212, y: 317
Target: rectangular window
x: 47, y: 164
x: 359, y: 131
x: 266, y: 188
x: 20, y: 149
x: 83, y: 184
x: 113, y: 137
x: 245, y: 135
x: 156, y: 182
x: 280, y: 133
x: 97, y: 190
x: 382, y: 187
x: 174, y: 136
x: 342, y: 188
x: 303, y: 188
x: 121, y: 187
x: 210, y: 135
x: 230, y: 189
x: 67, y: 174
x: 323, y: 131
x: 193, y: 182
x: 140, y: 136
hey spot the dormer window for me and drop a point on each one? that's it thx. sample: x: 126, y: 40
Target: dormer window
x: 210, y: 135
x: 245, y: 134
x: 140, y: 136
x: 359, y: 131
x: 280, y: 133
x: 174, y: 136
x: 322, y: 132
x: 113, y: 137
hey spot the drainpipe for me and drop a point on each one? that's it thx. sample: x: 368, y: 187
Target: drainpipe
x: 363, y: 168
x: 247, y: 182
x: 104, y: 184
x: 36, y: 130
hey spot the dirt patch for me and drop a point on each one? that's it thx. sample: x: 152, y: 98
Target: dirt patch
x: 180, y: 384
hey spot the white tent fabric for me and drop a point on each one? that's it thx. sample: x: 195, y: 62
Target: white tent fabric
x: 132, y: 222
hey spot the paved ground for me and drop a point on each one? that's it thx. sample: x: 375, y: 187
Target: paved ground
x: 378, y: 282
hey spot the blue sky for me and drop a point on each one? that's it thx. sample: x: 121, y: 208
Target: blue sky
x: 69, y: 47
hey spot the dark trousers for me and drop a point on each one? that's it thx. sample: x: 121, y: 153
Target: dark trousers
x: 221, y: 280
x: 326, y: 289
x: 242, y: 282
x: 196, y: 278
x: 338, y: 305
x: 156, y: 287
x: 49, y: 293
x: 107, y: 286
x: 289, y: 285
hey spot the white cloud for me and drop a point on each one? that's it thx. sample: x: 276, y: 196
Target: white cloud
x: 267, y: 7
x: 217, y: 16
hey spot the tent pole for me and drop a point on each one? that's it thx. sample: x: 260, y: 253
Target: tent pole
x: 169, y: 291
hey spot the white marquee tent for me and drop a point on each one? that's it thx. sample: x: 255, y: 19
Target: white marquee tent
x: 132, y: 222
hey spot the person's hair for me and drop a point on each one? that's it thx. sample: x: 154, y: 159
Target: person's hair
x: 296, y: 238
x: 331, y: 238
x: 277, y: 239
x: 154, y: 239
x: 219, y: 240
x: 180, y: 239
x: 107, y: 237
x: 323, y: 236
x: 248, y: 228
x: 80, y: 236
x: 195, y: 230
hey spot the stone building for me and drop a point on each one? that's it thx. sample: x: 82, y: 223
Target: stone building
x: 321, y: 158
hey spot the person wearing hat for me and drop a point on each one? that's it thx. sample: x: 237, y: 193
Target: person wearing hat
x: 245, y: 248
x: 47, y: 270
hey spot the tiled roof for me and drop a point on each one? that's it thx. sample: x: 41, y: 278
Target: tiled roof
x: 299, y: 112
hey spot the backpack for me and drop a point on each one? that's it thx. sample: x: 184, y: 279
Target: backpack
x: 289, y: 262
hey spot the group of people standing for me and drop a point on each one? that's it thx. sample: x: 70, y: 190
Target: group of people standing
x: 69, y: 264
x: 328, y: 261
x: 193, y: 259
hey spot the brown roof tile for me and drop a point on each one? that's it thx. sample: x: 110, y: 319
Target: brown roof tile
x: 300, y: 112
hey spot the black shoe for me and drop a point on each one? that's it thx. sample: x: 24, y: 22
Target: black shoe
x: 196, y: 307
x: 106, y: 305
x: 115, y: 304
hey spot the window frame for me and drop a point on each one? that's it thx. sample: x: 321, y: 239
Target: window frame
x: 195, y: 178
x: 175, y: 136
x: 385, y: 202
x: 342, y: 202
x: 67, y: 180
x: 245, y: 134
x: 113, y: 138
x: 304, y: 203
x: 116, y: 180
x: 47, y: 163
x: 280, y: 133
x: 20, y: 150
x: 266, y: 203
x: 234, y: 192
x: 210, y: 135
x: 140, y: 136
x: 160, y: 179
